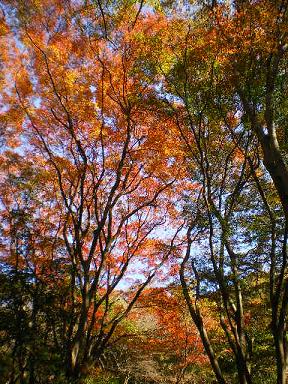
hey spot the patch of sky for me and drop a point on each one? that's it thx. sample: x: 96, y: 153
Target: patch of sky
x: 36, y: 101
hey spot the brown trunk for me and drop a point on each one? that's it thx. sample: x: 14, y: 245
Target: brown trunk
x: 281, y: 356
x: 243, y: 371
x: 275, y: 165
x: 278, y: 170
x: 196, y: 317
x: 209, y: 350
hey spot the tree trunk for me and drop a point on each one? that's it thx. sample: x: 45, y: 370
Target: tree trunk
x: 275, y: 165
x: 281, y: 356
x: 209, y: 350
x: 196, y: 317
x: 277, y: 168
x: 243, y: 371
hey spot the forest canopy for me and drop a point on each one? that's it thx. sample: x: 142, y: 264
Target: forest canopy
x: 144, y: 191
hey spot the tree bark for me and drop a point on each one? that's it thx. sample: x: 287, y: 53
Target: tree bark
x: 278, y: 170
x: 196, y: 316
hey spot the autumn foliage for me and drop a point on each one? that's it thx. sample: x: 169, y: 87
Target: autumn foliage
x: 144, y: 191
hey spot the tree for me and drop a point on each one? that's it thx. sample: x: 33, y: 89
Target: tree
x: 256, y: 71
x: 93, y: 138
x: 217, y: 84
x: 138, y: 133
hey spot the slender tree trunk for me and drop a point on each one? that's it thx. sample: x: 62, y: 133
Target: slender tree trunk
x: 196, y: 317
x: 243, y: 371
x: 281, y: 355
x: 277, y: 168
x: 76, y: 343
x: 74, y: 358
x: 209, y: 350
